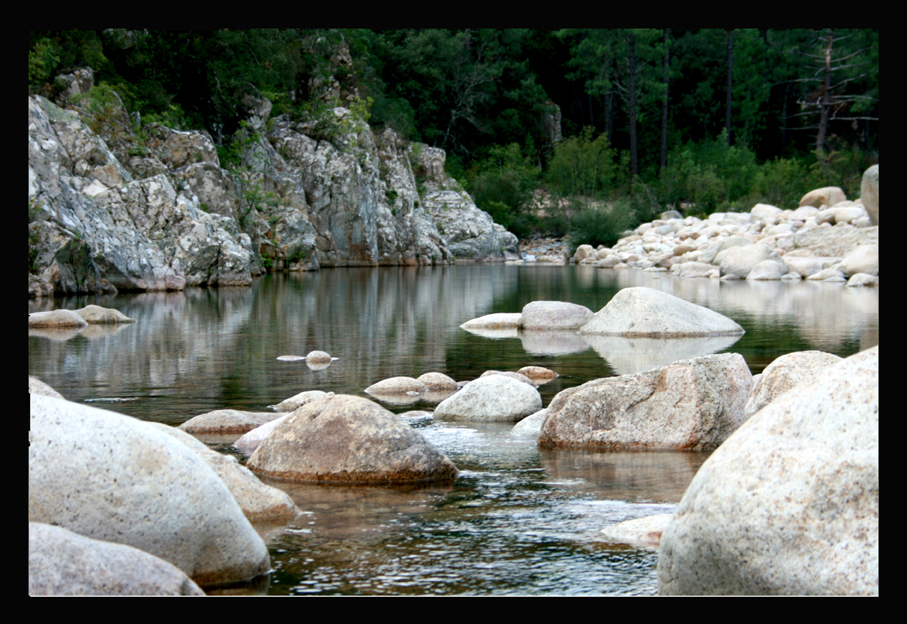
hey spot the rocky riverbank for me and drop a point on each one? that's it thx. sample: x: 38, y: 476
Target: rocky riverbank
x: 826, y: 238
x: 114, y: 205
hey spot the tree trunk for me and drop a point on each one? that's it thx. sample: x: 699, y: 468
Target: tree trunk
x: 663, y: 158
x: 825, y: 100
x: 633, y: 155
x: 730, y: 84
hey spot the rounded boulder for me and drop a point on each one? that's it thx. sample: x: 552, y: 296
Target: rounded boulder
x: 495, y: 398
x: 115, y: 478
x: 349, y: 439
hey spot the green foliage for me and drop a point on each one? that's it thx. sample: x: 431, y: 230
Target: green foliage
x: 582, y: 166
x: 43, y: 60
x: 600, y: 226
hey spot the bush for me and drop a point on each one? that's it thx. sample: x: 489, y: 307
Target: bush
x: 582, y: 166
x: 591, y: 226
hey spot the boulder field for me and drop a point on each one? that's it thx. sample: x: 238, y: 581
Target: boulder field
x: 826, y: 238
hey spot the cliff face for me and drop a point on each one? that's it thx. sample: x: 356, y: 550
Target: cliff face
x: 111, y: 210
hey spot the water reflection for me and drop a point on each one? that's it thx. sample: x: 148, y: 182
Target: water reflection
x: 517, y: 520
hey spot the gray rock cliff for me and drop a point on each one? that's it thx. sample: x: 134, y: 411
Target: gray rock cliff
x: 114, y: 207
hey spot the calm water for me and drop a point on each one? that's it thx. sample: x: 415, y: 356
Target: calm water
x: 517, y: 521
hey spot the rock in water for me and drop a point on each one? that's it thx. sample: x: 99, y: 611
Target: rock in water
x: 349, y: 439
x: 643, y: 312
x: 115, y: 478
x: 789, y: 504
x: 689, y: 405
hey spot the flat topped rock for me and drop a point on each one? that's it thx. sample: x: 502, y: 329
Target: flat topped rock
x: 96, y: 314
x: 638, y: 312
x: 553, y: 315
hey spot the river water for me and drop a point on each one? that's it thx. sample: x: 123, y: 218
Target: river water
x: 518, y: 520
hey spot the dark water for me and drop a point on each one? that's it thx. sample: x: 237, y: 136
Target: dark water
x: 517, y: 521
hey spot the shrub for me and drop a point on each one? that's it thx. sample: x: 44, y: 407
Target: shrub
x: 591, y: 226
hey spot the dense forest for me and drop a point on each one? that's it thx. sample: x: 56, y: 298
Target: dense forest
x: 637, y: 120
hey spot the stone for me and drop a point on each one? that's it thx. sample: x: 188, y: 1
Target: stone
x: 97, y: 315
x: 785, y: 373
x: 518, y: 376
x: 318, y: 357
x: 640, y: 312
x: 862, y: 279
x: 531, y: 425
x: 848, y: 212
x: 500, y: 320
x: 349, y: 439
x: 829, y: 274
x: 768, y: 270
x: 789, y: 504
x: 36, y: 386
x: 694, y: 269
x: 869, y: 193
x: 584, y: 252
x: 765, y: 211
x: 688, y: 405
x: 809, y: 265
x: 553, y: 316
x: 112, y: 477
x: 863, y: 259
x: 641, y: 532
x: 56, y: 319
x: 63, y: 563
x: 298, y: 400
x: 828, y: 196
x: 397, y: 385
x: 438, y: 382
x: 260, y: 503
x: 226, y: 421
x: 740, y: 261
x: 538, y: 374
x: 247, y: 443
x: 495, y: 398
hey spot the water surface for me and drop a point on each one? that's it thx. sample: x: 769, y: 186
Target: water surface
x: 517, y: 521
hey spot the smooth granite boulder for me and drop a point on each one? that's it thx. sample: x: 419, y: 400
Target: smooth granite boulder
x: 115, y: 478
x: 640, y: 312
x: 349, y: 439
x: 63, y: 563
x: 688, y: 405
x: 492, y: 398
x: 789, y: 504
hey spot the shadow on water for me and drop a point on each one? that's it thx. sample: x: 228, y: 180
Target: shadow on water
x: 517, y: 520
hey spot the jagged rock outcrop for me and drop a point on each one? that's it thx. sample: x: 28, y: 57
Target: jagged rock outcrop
x: 114, y: 209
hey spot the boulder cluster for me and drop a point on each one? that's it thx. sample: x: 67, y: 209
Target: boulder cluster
x: 826, y: 238
x: 114, y: 208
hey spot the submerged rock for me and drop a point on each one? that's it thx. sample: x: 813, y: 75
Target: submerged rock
x: 226, y: 421
x: 348, y: 439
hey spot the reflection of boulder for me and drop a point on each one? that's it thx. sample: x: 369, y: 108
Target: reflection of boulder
x: 552, y: 342
x: 632, y: 355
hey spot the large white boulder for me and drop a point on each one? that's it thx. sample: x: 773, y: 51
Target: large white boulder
x: 115, y: 478
x: 491, y: 398
x: 785, y: 373
x: 688, y: 405
x: 63, y: 563
x: 638, y: 311
x: 789, y: 504
x: 869, y: 193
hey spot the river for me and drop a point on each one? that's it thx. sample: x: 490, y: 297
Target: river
x: 517, y: 520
